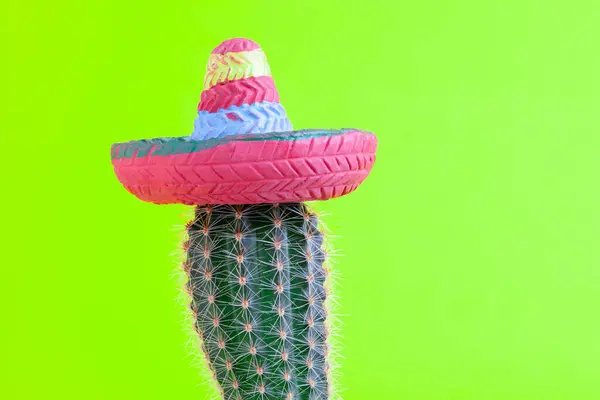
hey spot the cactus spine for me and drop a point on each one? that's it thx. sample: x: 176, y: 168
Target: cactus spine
x: 257, y: 279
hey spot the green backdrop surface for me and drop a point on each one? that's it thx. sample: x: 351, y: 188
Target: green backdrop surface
x: 469, y: 260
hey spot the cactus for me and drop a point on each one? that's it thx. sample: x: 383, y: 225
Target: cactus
x: 254, y: 255
x: 257, y: 282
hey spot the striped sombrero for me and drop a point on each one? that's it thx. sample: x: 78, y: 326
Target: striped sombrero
x: 243, y: 149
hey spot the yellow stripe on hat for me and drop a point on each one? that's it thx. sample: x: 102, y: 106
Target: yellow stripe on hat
x: 239, y: 65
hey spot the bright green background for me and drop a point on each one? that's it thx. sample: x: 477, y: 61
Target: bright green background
x: 471, y: 262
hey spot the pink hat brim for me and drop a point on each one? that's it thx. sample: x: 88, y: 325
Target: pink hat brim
x: 268, y: 168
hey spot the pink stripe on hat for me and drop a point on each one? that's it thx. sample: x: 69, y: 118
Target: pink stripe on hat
x: 235, y: 46
x: 238, y: 92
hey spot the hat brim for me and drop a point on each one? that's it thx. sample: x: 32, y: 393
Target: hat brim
x: 279, y: 167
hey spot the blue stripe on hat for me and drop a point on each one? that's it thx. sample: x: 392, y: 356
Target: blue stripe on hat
x: 246, y: 119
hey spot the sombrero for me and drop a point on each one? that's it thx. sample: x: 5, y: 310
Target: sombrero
x: 243, y: 149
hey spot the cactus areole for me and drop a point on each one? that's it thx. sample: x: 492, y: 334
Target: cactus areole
x: 255, y: 262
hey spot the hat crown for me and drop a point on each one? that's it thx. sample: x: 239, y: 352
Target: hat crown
x: 235, y: 45
x: 239, y: 96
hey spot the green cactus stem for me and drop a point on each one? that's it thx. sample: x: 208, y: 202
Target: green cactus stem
x: 257, y: 283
